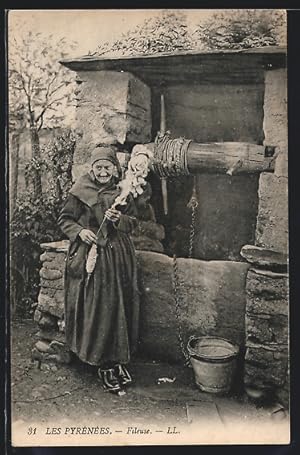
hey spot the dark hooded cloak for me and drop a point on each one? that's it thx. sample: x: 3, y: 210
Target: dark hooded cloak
x: 102, y: 311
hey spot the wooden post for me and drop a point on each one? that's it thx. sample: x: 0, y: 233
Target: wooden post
x: 164, y: 188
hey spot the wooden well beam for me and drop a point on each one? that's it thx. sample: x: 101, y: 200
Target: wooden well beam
x: 229, y: 158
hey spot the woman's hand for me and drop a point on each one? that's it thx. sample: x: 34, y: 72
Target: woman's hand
x: 87, y: 236
x: 113, y: 215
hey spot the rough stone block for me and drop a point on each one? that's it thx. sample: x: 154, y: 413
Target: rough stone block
x: 112, y: 107
x: 47, y: 321
x: 53, y: 259
x: 275, y: 117
x: 54, y: 353
x: 259, y: 305
x: 52, y: 305
x: 147, y: 244
x: 265, y: 367
x: 211, y: 301
x: 149, y: 229
x: 267, y: 329
x: 50, y: 335
x: 49, y: 291
x: 37, y: 315
x: 281, y: 165
x: 47, y: 256
x: 61, y: 351
x: 43, y: 346
x: 272, y: 219
x: 52, y: 284
x: 57, y: 264
x: 267, y: 285
x: 275, y: 112
x: 264, y: 258
x: 56, y: 247
x: 50, y: 274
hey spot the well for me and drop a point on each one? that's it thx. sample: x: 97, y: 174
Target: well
x: 210, y: 98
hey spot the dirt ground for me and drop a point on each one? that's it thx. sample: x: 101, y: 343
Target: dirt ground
x: 73, y: 392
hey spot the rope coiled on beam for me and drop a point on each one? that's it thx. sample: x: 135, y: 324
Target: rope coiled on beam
x: 170, y: 155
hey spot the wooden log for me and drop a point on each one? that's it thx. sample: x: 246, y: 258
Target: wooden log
x: 229, y: 157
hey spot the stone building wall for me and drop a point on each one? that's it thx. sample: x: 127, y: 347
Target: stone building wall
x: 266, y: 357
x: 267, y: 307
x: 112, y: 108
x: 272, y: 219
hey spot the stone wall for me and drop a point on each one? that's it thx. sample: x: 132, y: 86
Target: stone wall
x: 112, y: 108
x: 272, y: 219
x: 267, y: 308
x: 49, y: 312
x: 211, y: 302
x: 266, y: 359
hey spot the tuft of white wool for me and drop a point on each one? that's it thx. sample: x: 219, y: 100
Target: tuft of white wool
x: 91, y: 259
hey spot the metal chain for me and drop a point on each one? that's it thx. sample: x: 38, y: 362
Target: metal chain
x: 176, y: 288
x: 193, y: 204
x: 192, y: 231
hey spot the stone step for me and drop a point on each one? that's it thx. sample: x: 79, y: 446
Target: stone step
x: 265, y: 258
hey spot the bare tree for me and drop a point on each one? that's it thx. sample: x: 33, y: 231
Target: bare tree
x: 39, y: 84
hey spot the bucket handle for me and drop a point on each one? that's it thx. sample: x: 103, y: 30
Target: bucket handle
x: 189, y: 347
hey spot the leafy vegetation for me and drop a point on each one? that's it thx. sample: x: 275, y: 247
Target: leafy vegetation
x: 225, y: 29
x: 34, y: 220
x: 159, y: 34
x: 243, y: 29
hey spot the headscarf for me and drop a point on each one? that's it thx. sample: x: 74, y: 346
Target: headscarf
x: 105, y: 152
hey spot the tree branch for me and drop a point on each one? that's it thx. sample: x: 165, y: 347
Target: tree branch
x: 23, y: 84
x: 28, y: 100
x: 41, y: 123
x: 29, y: 81
x: 57, y: 88
x: 47, y: 106
x: 51, y: 82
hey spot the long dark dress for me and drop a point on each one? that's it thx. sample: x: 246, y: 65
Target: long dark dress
x: 102, y: 311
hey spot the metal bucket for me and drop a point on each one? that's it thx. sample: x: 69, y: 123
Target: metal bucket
x: 214, y: 362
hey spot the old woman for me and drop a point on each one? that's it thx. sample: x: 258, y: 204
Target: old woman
x: 101, y: 309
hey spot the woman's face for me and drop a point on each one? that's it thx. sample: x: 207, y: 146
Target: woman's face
x: 103, y: 170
